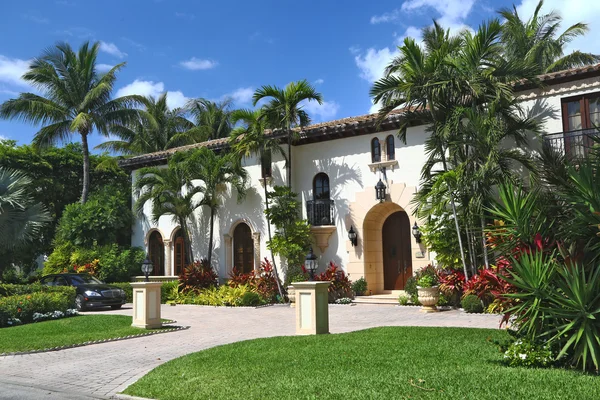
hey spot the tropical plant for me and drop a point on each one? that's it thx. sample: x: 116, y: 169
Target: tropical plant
x: 75, y: 98
x: 197, y: 276
x: 359, y: 286
x: 284, y: 111
x: 472, y: 305
x: 156, y: 129
x: 21, y: 218
x: 212, y: 120
x: 539, y: 42
x: 215, y: 171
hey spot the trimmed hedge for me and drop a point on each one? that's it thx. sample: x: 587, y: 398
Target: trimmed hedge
x: 23, y: 306
x: 165, y: 290
x: 9, y: 289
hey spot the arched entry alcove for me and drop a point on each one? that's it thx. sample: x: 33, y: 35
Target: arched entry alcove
x: 387, y: 243
x: 243, y: 248
x: 156, y: 252
x: 178, y: 252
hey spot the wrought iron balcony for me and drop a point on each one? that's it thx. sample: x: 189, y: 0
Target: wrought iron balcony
x: 573, y: 144
x: 320, y: 212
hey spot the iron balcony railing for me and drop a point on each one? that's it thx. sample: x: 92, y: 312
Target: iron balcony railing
x: 573, y: 144
x: 320, y: 212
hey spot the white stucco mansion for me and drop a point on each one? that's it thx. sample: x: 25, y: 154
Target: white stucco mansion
x: 336, y: 166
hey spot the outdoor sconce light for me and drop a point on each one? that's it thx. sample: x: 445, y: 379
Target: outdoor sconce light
x: 416, y: 232
x: 311, y: 264
x: 352, y: 236
x: 380, y: 191
x: 147, y: 268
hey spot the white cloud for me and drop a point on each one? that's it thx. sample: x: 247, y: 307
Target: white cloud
x: 373, y: 63
x: 11, y: 70
x: 572, y: 11
x: 319, y: 81
x: 112, y: 49
x: 242, y: 95
x: 149, y: 88
x: 104, y: 67
x: 196, y: 64
x: 321, y: 112
x: 386, y: 17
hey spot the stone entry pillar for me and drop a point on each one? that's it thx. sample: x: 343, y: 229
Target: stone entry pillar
x: 312, y: 307
x: 146, y: 305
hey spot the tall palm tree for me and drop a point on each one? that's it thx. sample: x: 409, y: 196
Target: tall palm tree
x: 250, y: 139
x: 465, y: 72
x: 170, y: 192
x: 284, y: 111
x: 215, y: 171
x: 21, y: 218
x: 75, y: 99
x: 539, y: 41
x: 158, y: 128
x: 212, y: 119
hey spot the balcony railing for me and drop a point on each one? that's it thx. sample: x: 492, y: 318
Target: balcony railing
x: 573, y: 144
x: 320, y: 212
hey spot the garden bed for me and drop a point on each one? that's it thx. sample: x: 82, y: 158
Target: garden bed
x: 380, y: 363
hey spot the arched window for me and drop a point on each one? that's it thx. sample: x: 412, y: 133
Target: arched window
x: 321, y: 187
x: 156, y: 251
x: 179, y: 252
x: 390, y: 148
x: 265, y: 164
x: 375, y: 150
x: 243, y: 248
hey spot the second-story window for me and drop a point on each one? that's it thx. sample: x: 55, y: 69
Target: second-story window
x: 390, y: 148
x: 581, y: 117
x: 375, y: 150
x: 321, y: 187
x: 265, y: 164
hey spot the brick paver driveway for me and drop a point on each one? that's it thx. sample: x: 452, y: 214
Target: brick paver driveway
x: 102, y: 370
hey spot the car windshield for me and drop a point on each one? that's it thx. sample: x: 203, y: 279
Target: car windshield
x: 84, y: 280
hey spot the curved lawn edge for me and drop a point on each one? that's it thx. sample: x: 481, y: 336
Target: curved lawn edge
x: 382, y: 362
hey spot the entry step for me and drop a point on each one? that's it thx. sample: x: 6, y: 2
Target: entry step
x: 389, y: 298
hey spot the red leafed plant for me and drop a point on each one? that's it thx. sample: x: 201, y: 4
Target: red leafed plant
x: 238, y: 278
x: 262, y: 281
x: 340, y: 286
x: 197, y: 276
x: 491, y: 287
x: 451, y: 281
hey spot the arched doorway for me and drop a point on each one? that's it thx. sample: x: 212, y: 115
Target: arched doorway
x: 397, y: 258
x: 156, y: 251
x: 179, y: 253
x: 243, y: 248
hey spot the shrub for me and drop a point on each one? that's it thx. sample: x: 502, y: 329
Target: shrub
x: 262, y: 282
x: 359, y: 286
x: 491, y: 286
x: 426, y: 281
x: 410, y: 287
x: 167, y: 289
x: 524, y: 353
x: 222, y: 296
x: 340, y: 284
x: 428, y: 274
x: 344, y: 300
x: 250, y: 299
x: 127, y: 288
x: 471, y: 304
x: 7, y: 289
x: 451, y: 284
x: 197, y: 276
x: 24, y: 306
x: 403, y: 300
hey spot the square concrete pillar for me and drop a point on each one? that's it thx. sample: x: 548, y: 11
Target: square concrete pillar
x: 312, y: 307
x: 146, y: 305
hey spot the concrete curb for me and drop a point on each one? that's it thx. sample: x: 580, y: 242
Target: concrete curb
x: 128, y: 397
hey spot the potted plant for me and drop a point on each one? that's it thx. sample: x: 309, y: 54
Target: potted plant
x: 427, y: 289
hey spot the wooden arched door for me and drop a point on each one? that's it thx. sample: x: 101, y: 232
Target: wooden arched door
x: 243, y: 248
x: 397, y: 258
x: 179, y: 247
x: 156, y: 251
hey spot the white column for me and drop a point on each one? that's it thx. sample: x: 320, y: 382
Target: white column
x: 256, y: 240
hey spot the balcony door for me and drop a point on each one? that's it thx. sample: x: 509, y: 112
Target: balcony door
x: 581, y: 120
x: 319, y: 210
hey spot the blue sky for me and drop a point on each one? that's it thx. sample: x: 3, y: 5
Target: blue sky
x: 220, y: 49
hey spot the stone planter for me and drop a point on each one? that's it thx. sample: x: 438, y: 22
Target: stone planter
x: 428, y: 297
x: 291, y: 295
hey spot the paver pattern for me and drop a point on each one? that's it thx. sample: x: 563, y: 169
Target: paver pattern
x: 102, y: 370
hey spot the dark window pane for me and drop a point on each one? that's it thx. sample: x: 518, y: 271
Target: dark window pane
x: 375, y: 150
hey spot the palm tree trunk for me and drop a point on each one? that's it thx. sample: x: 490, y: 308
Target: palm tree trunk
x: 86, y: 168
x: 486, y: 259
x: 187, y: 244
x: 210, y: 237
x: 269, y: 234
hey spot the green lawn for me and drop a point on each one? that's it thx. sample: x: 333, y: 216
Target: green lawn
x: 380, y: 363
x: 66, y: 331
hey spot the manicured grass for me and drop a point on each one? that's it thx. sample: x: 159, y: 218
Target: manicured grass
x: 66, y: 331
x: 380, y: 363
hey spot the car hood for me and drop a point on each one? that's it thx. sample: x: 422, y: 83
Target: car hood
x: 96, y: 287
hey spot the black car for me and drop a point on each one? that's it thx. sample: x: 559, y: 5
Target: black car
x: 91, y: 292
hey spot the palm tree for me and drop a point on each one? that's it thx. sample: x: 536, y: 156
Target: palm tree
x: 536, y: 40
x: 213, y: 120
x: 21, y: 218
x: 158, y: 128
x: 75, y: 98
x: 284, y: 111
x: 250, y: 139
x: 215, y: 171
x: 437, y: 84
x: 170, y: 193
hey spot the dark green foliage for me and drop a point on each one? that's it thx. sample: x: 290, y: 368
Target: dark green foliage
x: 25, y: 305
x: 471, y: 304
x: 410, y: 287
x: 166, y: 290
x: 104, y: 219
x: 8, y: 289
x: 197, y: 276
x: 359, y: 286
x: 250, y: 299
x: 127, y: 288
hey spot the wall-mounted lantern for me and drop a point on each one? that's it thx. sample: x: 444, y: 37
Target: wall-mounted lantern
x: 416, y: 232
x: 380, y: 191
x: 353, y: 236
